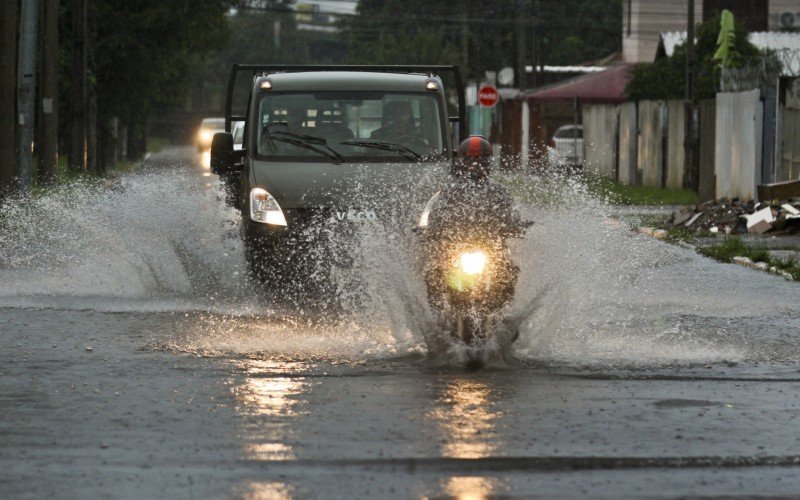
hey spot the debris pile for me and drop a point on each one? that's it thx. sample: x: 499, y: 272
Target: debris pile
x: 733, y: 216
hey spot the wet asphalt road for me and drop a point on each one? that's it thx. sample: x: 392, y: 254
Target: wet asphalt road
x: 98, y: 404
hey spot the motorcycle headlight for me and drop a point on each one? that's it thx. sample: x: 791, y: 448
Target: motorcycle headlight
x: 264, y: 208
x: 473, y: 263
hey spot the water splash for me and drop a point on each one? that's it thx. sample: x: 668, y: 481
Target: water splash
x: 590, y: 293
x: 155, y: 242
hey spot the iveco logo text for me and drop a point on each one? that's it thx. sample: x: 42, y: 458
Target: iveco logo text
x: 352, y: 215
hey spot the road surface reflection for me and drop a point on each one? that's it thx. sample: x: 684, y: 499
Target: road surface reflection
x: 270, y: 402
x: 465, y: 414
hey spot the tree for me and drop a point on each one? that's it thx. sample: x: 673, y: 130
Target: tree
x: 144, y: 56
x: 578, y: 31
x: 9, y: 19
x: 423, y: 32
x: 664, y: 79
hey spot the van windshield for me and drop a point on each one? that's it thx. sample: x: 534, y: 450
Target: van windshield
x: 356, y: 126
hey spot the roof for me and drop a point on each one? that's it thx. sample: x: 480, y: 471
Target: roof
x: 773, y: 40
x: 568, y: 69
x: 347, y: 80
x: 603, y: 87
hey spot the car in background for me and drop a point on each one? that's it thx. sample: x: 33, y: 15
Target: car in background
x: 205, y: 134
x: 566, y: 147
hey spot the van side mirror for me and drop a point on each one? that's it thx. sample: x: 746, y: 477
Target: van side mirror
x: 222, y: 155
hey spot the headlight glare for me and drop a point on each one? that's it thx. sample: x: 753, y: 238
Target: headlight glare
x: 473, y: 262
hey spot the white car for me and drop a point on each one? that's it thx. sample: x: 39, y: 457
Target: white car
x: 567, y: 146
x: 208, y: 128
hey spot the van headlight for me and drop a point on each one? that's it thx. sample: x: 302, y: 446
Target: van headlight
x: 264, y: 208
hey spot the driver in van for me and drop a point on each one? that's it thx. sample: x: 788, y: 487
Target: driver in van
x: 399, y: 121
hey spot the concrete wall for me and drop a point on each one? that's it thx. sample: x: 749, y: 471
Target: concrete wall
x: 789, y: 133
x: 737, y: 158
x: 707, y: 181
x: 650, y: 142
x: 778, y: 6
x: 628, y: 125
x: 790, y: 161
x: 600, y: 122
x: 676, y: 139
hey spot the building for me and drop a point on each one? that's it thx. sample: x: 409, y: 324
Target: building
x: 643, y: 21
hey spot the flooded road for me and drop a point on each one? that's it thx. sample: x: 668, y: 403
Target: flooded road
x: 136, y: 361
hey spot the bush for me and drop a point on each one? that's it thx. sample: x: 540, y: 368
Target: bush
x: 666, y: 78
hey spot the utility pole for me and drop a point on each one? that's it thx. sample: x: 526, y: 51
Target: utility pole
x: 78, y: 103
x: 690, y: 52
x: 692, y: 125
x: 9, y: 20
x: 26, y: 90
x: 535, y: 42
x: 48, y: 88
x: 521, y: 44
x: 465, y: 41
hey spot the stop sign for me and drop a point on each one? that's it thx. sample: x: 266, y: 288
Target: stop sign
x: 488, y: 96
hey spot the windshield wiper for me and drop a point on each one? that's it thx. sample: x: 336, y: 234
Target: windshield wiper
x: 386, y: 146
x: 307, y: 142
x: 319, y: 141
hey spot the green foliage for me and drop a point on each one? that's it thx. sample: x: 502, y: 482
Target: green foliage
x: 726, y: 42
x: 267, y: 35
x: 403, y: 32
x: 624, y: 194
x: 665, y: 78
x: 734, y: 247
x: 424, y: 32
x: 145, y: 52
x: 576, y: 31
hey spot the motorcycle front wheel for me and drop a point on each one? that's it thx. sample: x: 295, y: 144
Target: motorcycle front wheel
x: 469, y: 330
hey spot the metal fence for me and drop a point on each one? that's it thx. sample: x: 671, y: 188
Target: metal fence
x: 760, y: 72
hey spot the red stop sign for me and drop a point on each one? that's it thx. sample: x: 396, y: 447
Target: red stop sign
x: 488, y: 96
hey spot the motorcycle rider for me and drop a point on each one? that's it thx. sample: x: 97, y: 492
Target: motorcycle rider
x: 472, y: 208
x: 471, y: 200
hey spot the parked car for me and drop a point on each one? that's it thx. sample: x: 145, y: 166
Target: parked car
x: 567, y: 146
x: 208, y: 128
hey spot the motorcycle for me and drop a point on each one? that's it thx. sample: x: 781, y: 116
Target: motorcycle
x: 470, y: 274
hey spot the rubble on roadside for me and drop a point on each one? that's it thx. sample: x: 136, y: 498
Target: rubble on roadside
x: 733, y: 216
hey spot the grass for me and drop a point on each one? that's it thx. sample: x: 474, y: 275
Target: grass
x: 679, y: 234
x: 734, y: 247
x: 156, y: 144
x: 624, y: 194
